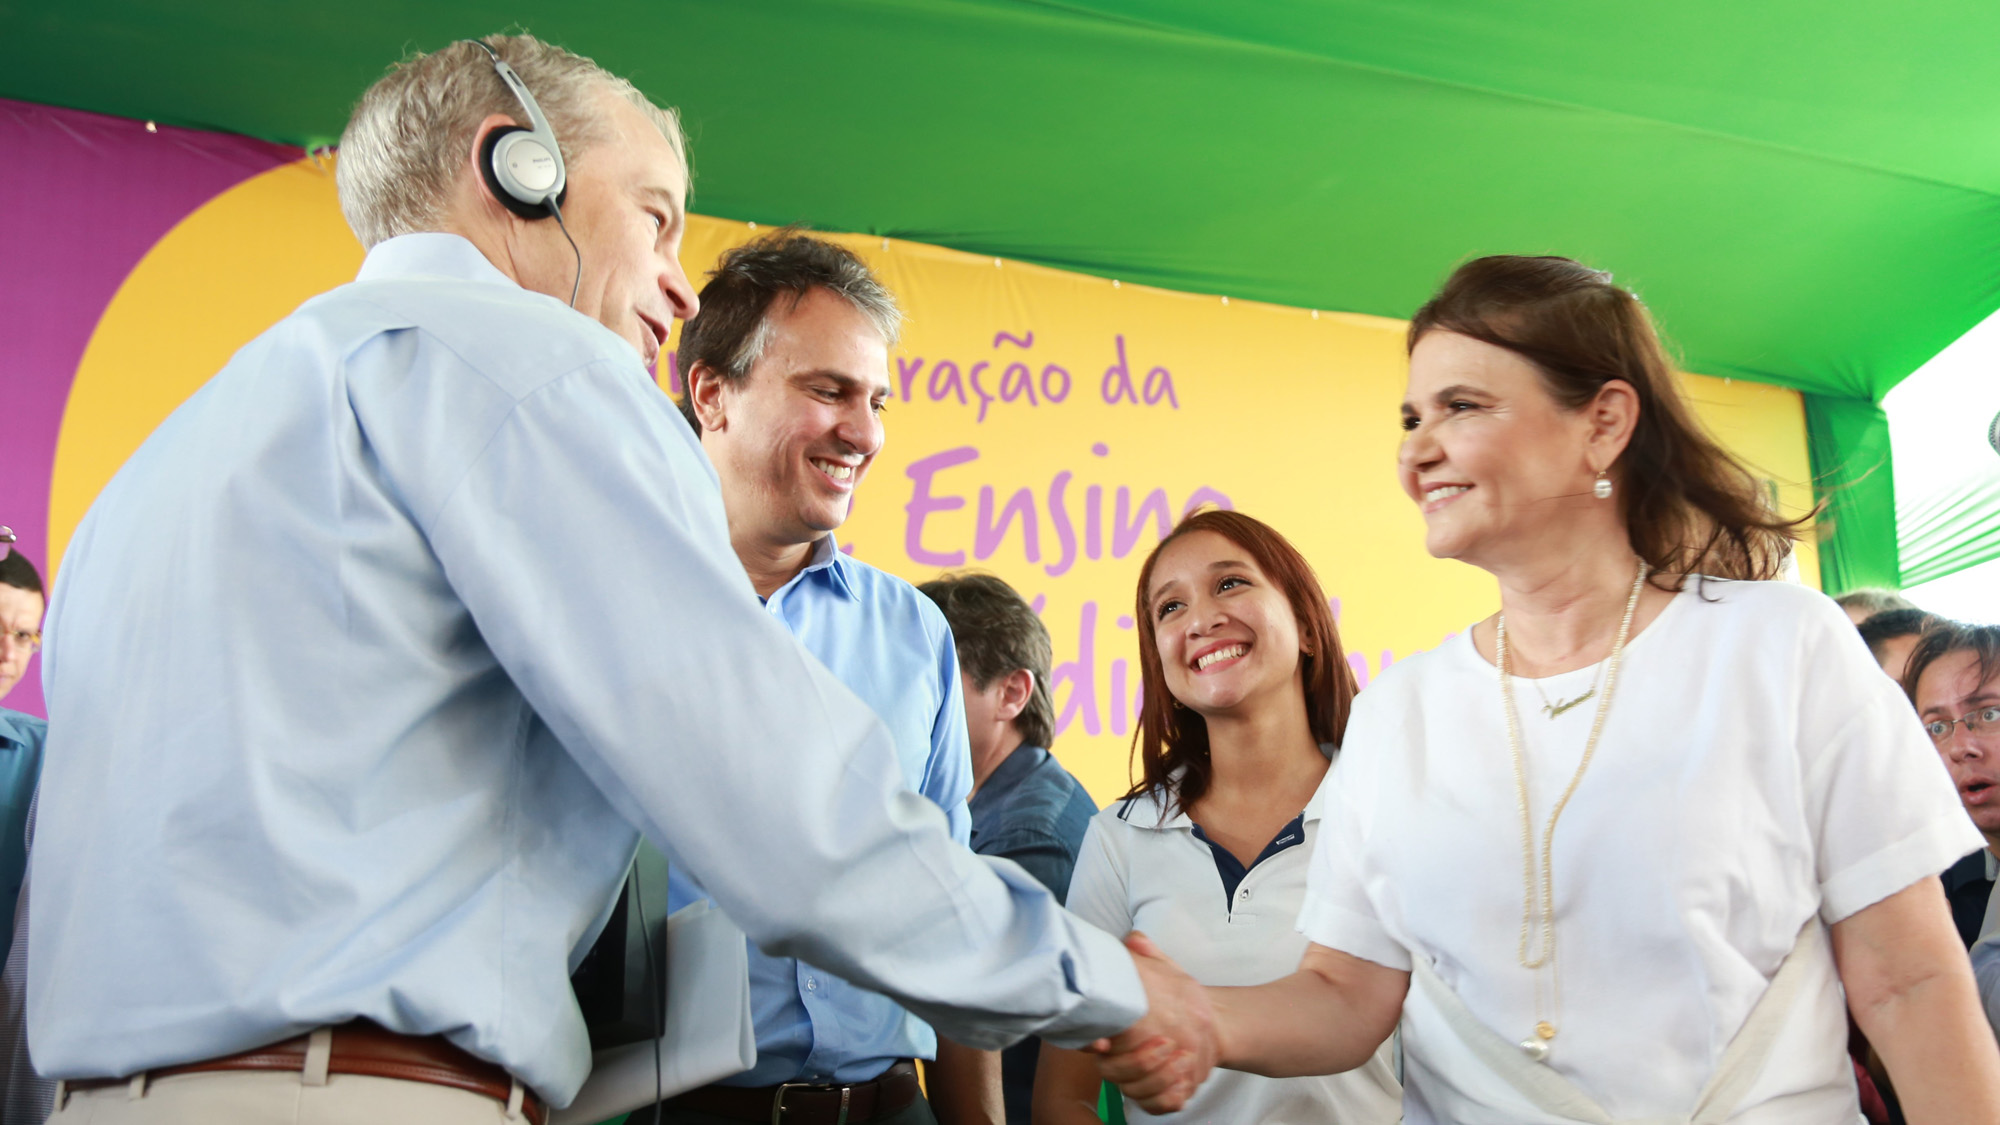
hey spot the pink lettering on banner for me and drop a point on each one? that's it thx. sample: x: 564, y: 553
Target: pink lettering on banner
x: 674, y: 374
x: 922, y: 505
x: 1056, y: 524
x: 1016, y: 383
x: 993, y: 525
x: 1129, y: 525
x: 1065, y: 534
x: 1119, y: 725
x: 907, y: 371
x: 987, y: 536
x: 1010, y: 378
x: 945, y: 382
x: 1117, y: 385
x: 1081, y: 676
x: 1049, y: 384
x: 1120, y: 711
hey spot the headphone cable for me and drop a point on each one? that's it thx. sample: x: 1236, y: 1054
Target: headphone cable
x: 652, y: 995
x: 556, y: 210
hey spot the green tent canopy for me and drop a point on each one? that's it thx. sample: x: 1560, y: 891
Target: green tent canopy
x: 1804, y: 194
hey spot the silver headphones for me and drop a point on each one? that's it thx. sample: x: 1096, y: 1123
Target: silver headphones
x: 523, y: 166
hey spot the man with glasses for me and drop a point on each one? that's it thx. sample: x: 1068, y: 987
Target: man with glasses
x: 1953, y: 678
x: 21, y: 605
x: 24, y: 1096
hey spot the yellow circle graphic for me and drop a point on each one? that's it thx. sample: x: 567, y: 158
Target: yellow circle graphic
x: 222, y: 275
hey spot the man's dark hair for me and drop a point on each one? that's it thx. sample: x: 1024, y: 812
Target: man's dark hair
x: 998, y: 634
x: 17, y: 571
x: 1946, y: 637
x: 1891, y: 624
x: 732, y: 328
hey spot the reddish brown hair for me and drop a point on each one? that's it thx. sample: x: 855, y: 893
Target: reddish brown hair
x: 1174, y: 739
x: 1690, y: 507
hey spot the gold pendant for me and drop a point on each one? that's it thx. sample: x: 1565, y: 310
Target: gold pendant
x: 1545, y: 1030
x: 1555, y: 709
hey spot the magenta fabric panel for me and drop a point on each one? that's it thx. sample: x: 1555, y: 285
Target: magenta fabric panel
x: 96, y: 194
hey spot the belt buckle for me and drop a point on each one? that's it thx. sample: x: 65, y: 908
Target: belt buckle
x: 778, y: 1102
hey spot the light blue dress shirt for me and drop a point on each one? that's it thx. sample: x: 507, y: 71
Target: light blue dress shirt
x: 21, y: 739
x: 410, y: 616
x: 891, y: 645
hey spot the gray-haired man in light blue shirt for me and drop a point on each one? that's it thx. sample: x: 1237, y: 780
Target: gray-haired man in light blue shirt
x: 416, y: 616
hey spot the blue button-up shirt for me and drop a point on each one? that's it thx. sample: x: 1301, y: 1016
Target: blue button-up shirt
x: 365, y: 666
x: 1033, y: 812
x: 891, y: 645
x: 20, y: 767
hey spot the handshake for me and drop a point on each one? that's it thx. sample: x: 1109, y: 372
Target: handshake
x: 1163, y: 1059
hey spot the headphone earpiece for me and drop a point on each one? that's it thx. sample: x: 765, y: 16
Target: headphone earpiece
x: 522, y: 164
x: 522, y: 158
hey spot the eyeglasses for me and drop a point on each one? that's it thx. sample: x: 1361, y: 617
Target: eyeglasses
x: 21, y: 637
x: 1973, y: 722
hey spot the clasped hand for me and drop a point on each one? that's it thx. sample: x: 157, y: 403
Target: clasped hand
x: 1160, y: 1061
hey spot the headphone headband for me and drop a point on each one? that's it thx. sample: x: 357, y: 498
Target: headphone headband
x: 522, y: 166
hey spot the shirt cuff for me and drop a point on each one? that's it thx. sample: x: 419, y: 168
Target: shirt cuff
x: 1351, y: 933
x: 1113, y: 998
x: 1921, y: 854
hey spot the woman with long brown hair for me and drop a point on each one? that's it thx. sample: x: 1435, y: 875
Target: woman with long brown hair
x: 1613, y: 853
x: 1246, y: 699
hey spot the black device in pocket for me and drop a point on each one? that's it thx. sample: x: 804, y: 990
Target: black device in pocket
x: 621, y: 984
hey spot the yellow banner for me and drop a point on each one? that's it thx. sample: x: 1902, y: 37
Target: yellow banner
x: 1045, y: 426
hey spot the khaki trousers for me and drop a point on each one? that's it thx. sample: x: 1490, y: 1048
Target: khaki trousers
x: 264, y: 1097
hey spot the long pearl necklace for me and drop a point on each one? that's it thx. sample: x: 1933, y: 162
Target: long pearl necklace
x: 1536, y: 1046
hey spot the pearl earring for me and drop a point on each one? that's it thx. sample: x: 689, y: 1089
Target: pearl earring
x: 1602, y: 488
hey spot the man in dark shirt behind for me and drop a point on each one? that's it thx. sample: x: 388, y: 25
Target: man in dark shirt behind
x: 1891, y: 635
x: 1025, y: 806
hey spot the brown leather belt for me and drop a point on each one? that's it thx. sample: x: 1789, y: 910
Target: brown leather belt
x: 366, y: 1048
x: 803, y: 1103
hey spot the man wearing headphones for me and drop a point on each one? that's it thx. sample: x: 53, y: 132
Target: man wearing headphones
x: 417, y: 615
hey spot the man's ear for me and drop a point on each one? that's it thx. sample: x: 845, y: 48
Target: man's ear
x: 705, y: 391
x: 1016, y: 688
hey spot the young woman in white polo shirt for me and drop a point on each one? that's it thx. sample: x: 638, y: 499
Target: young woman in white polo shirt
x: 1246, y: 696
x: 1629, y: 849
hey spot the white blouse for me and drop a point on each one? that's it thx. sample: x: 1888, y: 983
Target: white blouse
x: 1138, y: 871
x: 1756, y: 769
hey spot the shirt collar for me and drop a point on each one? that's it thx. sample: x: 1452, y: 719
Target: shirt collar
x: 431, y: 254
x: 1992, y: 862
x: 1013, y: 768
x: 11, y: 727
x: 1148, y: 810
x: 835, y: 568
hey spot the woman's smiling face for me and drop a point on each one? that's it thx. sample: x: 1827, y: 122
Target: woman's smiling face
x: 1225, y: 631
x: 1489, y: 456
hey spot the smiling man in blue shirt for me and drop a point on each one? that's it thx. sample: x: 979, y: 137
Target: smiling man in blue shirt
x: 371, y: 665
x: 788, y: 367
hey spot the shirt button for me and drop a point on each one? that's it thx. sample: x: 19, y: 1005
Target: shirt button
x: 812, y: 985
x: 1243, y: 895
